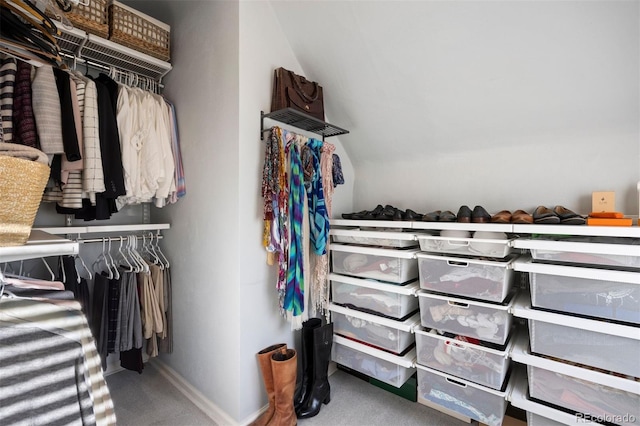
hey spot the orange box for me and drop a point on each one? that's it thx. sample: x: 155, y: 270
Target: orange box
x: 597, y: 221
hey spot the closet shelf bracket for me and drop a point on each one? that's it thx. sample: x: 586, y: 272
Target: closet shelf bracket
x: 302, y: 121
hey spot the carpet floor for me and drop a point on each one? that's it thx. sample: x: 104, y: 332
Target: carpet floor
x: 150, y: 399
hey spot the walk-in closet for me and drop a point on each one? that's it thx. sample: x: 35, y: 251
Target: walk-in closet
x: 265, y: 212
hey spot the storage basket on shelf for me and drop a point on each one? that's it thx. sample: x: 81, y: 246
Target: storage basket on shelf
x: 92, y: 18
x: 22, y: 184
x: 138, y: 31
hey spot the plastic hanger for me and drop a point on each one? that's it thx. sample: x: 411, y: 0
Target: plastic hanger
x: 102, y: 256
x: 159, y: 251
x: 84, y: 265
x: 145, y: 265
x: 122, y: 255
x: 156, y: 258
x: 53, y: 276
x: 116, y: 272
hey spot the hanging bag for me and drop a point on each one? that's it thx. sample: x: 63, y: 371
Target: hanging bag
x: 294, y: 91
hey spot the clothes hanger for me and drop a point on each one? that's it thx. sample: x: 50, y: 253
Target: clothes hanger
x: 138, y: 265
x: 116, y: 272
x: 159, y: 251
x: 100, y: 257
x: 156, y: 258
x: 122, y: 255
x: 84, y: 265
x: 145, y: 265
x: 53, y: 276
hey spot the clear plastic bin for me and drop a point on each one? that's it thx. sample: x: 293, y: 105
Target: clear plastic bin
x: 396, y: 266
x: 534, y: 419
x: 583, y: 396
x: 373, y: 296
x: 601, y: 349
x: 482, y: 320
x: 586, y: 250
x: 489, y: 280
x: 485, y: 247
x: 612, y: 295
x: 469, y: 399
x: 383, y: 333
x: 475, y: 363
x: 374, y: 238
x: 391, y: 369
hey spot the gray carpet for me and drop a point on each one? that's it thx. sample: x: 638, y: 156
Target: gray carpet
x: 149, y: 399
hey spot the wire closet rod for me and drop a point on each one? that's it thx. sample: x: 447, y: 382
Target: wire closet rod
x: 107, y: 239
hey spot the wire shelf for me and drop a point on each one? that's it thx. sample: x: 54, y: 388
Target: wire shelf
x: 302, y: 121
x: 104, y: 52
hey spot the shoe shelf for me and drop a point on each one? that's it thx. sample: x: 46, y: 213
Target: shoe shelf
x: 97, y: 51
x: 302, y: 121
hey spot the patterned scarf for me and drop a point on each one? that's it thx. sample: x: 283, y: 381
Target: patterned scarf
x: 294, y: 295
x: 319, y: 219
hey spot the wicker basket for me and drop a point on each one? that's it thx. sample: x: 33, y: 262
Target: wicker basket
x: 92, y: 18
x: 138, y: 31
x: 22, y: 184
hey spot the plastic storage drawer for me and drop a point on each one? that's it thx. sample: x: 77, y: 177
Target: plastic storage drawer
x: 466, y: 246
x: 391, y: 369
x: 602, y: 349
x: 577, y: 394
x: 604, y: 251
x: 383, y: 333
x: 469, y: 399
x: 396, y: 266
x: 374, y: 296
x: 374, y: 238
x: 484, y: 321
x: 489, y: 280
x: 613, y: 295
x: 476, y: 363
x: 534, y: 419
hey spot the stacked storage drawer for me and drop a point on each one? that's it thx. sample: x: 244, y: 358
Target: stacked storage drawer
x: 583, y: 352
x: 374, y: 308
x: 467, y: 291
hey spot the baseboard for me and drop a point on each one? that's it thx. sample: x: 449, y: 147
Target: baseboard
x: 214, y: 412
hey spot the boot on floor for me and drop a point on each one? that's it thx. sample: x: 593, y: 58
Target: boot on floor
x: 284, y: 366
x: 319, y: 390
x: 302, y: 387
x: 264, y: 359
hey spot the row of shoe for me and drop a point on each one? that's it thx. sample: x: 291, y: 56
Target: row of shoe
x: 541, y: 215
x: 292, y: 397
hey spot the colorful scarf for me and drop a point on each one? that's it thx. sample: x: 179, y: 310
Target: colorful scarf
x: 319, y: 219
x: 294, y: 295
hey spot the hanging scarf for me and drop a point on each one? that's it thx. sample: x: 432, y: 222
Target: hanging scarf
x: 270, y: 183
x: 319, y: 219
x: 294, y: 298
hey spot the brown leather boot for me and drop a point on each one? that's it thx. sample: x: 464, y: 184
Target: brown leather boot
x: 264, y: 359
x: 284, y: 366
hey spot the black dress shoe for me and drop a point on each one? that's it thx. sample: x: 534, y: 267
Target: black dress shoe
x: 464, y: 214
x: 411, y: 215
x: 480, y: 215
x: 398, y: 215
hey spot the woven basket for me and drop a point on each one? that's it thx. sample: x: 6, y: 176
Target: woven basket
x: 138, y: 31
x: 92, y: 18
x: 22, y: 184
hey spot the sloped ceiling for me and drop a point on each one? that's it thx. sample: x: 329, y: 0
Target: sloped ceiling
x: 414, y: 78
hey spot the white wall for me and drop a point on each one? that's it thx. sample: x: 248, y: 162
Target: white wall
x: 203, y: 242
x: 504, y: 104
x: 263, y: 48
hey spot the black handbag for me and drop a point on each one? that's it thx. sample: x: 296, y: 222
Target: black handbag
x: 294, y: 91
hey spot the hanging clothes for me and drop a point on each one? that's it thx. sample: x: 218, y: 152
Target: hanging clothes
x: 46, y: 110
x: 25, y: 132
x: 8, y: 68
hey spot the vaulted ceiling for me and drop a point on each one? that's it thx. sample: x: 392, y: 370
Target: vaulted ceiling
x: 417, y: 78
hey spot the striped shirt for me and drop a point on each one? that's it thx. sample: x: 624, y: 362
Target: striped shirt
x: 8, y: 70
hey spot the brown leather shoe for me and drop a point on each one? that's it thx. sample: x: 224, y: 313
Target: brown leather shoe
x: 464, y: 214
x: 447, y: 216
x: 284, y: 366
x: 503, y: 216
x: 521, y: 217
x: 264, y: 359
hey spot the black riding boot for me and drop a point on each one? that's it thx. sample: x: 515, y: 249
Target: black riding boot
x: 319, y: 391
x: 302, y: 388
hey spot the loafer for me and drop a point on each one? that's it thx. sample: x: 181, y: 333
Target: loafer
x: 412, y: 215
x: 521, y: 217
x: 433, y: 216
x: 503, y: 216
x: 398, y: 215
x: 568, y: 217
x: 464, y: 214
x: 447, y: 216
x: 544, y: 215
x: 480, y: 215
